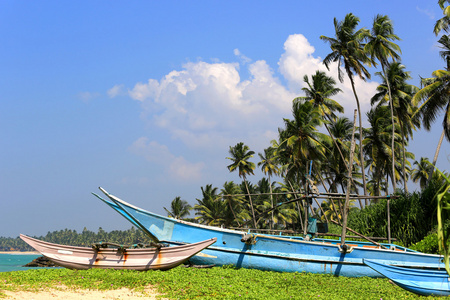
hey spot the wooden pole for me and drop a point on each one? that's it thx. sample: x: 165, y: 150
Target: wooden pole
x: 349, y: 185
x: 388, y: 222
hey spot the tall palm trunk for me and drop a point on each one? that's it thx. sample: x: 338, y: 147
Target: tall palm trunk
x: 405, y: 181
x: 271, y: 202
x: 251, y: 203
x: 436, y: 154
x: 394, y: 185
x: 361, y: 154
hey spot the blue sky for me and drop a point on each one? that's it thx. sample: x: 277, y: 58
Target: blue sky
x: 144, y: 98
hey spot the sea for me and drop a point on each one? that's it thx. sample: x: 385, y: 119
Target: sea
x: 14, y: 262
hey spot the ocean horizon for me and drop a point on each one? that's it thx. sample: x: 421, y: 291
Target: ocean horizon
x: 15, y: 261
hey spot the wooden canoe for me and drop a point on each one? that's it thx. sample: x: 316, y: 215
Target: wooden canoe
x: 142, y: 259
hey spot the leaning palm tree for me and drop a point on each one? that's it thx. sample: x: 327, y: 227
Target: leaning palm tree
x: 240, y: 155
x: 178, y: 208
x: 380, y: 48
x: 347, y: 50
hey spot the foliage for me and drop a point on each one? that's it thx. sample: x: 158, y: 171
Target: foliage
x: 413, y: 216
x: 71, y: 237
x: 428, y: 245
x: 213, y: 283
x: 443, y: 215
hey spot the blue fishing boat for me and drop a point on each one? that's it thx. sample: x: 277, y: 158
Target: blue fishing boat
x: 418, y: 281
x: 271, y: 252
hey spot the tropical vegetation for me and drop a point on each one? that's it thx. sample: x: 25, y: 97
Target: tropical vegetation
x: 304, y: 160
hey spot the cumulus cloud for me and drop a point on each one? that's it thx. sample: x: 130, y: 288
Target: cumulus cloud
x: 176, y: 167
x: 208, y: 106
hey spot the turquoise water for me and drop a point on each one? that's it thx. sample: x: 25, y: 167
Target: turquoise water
x: 14, y: 262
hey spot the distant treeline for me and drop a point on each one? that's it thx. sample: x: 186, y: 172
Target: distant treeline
x: 85, y: 238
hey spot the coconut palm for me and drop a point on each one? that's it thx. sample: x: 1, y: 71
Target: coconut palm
x: 348, y: 51
x: 178, y: 208
x: 401, y: 95
x: 436, y: 98
x: 318, y: 92
x: 269, y: 167
x: 444, y: 22
x: 301, y: 142
x: 335, y: 168
x: 210, y: 211
x: 231, y: 195
x: 380, y: 48
x: 421, y: 172
x: 377, y: 144
x: 240, y: 155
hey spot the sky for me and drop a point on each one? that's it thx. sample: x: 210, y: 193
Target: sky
x: 144, y: 98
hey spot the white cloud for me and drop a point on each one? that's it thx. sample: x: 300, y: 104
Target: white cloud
x: 208, y: 106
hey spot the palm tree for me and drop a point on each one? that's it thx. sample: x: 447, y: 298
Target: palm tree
x: 336, y: 167
x: 381, y: 47
x: 269, y: 167
x: 210, y: 211
x: 230, y: 194
x: 377, y: 147
x: 301, y: 142
x: 444, y: 22
x: 401, y: 95
x: 435, y: 95
x: 318, y: 93
x: 420, y: 174
x: 347, y: 50
x: 178, y: 208
x: 240, y: 155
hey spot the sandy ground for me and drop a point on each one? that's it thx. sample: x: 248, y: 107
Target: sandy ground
x: 67, y: 294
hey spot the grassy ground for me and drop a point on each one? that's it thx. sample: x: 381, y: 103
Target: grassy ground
x: 212, y: 283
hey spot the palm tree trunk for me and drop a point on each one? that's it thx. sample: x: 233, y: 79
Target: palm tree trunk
x: 271, y: 202
x: 361, y: 154
x: 251, y: 203
x: 394, y: 186
x: 347, y: 195
x: 405, y: 181
x: 234, y: 215
x: 436, y: 154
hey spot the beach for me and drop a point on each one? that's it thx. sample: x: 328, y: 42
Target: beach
x: 75, y: 294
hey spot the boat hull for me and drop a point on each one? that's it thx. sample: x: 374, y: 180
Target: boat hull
x: 422, y: 282
x: 82, y: 258
x: 268, y: 252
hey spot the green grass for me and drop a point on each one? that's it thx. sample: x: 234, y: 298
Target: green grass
x: 212, y: 283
